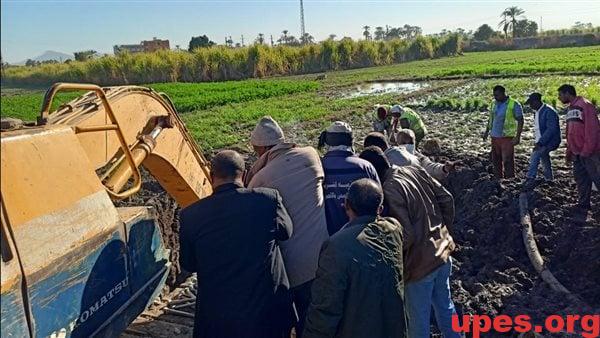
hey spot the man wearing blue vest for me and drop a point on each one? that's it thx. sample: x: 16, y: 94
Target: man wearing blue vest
x: 505, y: 125
x: 342, y: 167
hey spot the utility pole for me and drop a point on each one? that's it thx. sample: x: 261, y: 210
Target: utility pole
x: 272, y: 43
x: 302, y: 30
x: 242, y: 40
x: 541, y: 29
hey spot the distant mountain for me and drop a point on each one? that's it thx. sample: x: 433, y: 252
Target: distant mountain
x: 50, y: 55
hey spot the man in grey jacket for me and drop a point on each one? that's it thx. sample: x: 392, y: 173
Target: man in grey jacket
x: 296, y: 172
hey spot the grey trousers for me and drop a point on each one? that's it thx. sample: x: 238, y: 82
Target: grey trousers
x: 586, y: 171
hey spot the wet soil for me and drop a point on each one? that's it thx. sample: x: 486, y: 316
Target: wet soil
x: 152, y: 194
x: 492, y: 273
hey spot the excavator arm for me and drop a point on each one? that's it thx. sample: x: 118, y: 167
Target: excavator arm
x: 121, y: 128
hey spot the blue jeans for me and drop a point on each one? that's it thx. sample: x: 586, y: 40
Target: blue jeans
x: 537, y: 156
x: 433, y: 289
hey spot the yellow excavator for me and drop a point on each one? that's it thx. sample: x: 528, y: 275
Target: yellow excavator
x: 74, y: 264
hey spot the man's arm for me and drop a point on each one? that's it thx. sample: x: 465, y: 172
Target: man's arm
x: 436, y: 170
x: 519, y: 117
x: 372, y: 173
x: 398, y: 208
x: 552, y: 127
x: 328, y: 290
x: 283, y: 222
x: 591, y: 130
x: 187, y: 257
x: 445, y: 201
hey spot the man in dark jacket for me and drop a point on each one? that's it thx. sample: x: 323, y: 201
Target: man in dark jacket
x: 230, y: 239
x: 426, y: 211
x: 342, y: 167
x: 358, y: 291
x: 547, y: 139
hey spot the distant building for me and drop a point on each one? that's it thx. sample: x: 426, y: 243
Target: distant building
x: 145, y: 46
x: 155, y: 44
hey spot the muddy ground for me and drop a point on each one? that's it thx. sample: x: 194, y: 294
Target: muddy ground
x: 492, y: 272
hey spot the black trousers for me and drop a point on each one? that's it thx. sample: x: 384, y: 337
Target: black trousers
x: 586, y: 171
x: 301, y: 297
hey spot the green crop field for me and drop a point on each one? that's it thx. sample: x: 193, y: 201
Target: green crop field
x: 531, y: 61
x: 222, y: 114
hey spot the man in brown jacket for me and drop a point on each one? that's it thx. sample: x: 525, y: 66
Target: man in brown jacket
x: 425, y: 210
x: 297, y: 174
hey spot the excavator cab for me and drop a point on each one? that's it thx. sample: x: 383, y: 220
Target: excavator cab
x: 74, y: 264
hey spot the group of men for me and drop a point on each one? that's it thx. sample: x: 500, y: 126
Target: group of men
x: 349, y: 245
x: 505, y: 126
x: 316, y: 244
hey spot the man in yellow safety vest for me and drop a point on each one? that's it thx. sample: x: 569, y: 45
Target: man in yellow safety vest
x: 505, y: 125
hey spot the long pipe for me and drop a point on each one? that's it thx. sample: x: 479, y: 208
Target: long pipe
x: 534, y: 254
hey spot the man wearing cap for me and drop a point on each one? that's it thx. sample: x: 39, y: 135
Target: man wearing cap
x: 583, y: 144
x: 297, y: 174
x: 406, y: 118
x: 547, y: 139
x: 342, y: 167
x: 505, y: 125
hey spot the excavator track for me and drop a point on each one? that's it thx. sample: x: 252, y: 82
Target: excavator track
x: 171, y: 315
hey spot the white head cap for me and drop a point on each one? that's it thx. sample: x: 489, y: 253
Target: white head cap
x: 267, y: 133
x: 339, y: 127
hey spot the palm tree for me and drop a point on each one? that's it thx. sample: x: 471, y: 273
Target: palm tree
x: 332, y: 36
x: 260, y: 39
x: 366, y: 33
x: 379, y: 33
x: 307, y: 39
x: 284, y: 37
x: 509, y: 19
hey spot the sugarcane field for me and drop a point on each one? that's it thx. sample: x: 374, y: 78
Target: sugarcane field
x: 428, y: 177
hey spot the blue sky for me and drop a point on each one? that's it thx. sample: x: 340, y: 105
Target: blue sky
x: 30, y: 27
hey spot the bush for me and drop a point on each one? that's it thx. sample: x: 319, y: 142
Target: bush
x: 219, y: 63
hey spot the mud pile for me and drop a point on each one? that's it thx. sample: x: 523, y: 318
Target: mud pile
x: 493, y: 274
x: 167, y: 211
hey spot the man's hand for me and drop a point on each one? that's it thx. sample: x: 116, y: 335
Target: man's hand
x: 450, y: 166
x: 485, y: 134
x: 516, y: 140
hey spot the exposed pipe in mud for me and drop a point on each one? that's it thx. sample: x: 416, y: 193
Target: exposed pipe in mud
x: 534, y: 254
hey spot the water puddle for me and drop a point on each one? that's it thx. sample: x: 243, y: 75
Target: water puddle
x: 381, y: 88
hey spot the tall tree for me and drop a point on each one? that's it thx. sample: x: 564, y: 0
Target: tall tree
x: 379, y: 33
x: 510, y: 17
x: 366, y: 32
x: 332, y: 36
x: 483, y: 33
x: 200, y: 42
x: 525, y: 28
x: 284, y: 37
x: 307, y: 39
x: 260, y: 39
